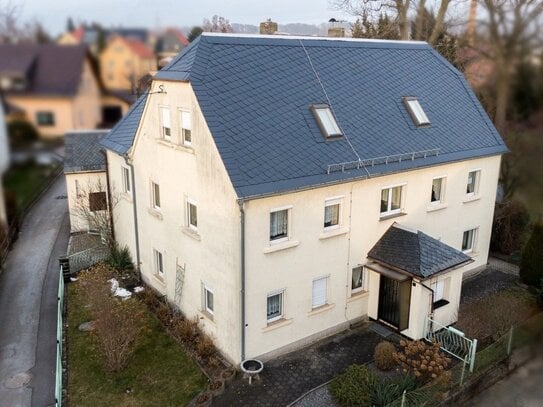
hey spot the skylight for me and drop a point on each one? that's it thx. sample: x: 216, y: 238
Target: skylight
x: 326, y: 121
x: 417, y: 113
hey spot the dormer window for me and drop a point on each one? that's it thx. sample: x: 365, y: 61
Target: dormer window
x: 326, y: 121
x: 416, y: 112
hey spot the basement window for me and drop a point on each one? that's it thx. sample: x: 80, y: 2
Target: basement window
x: 326, y: 121
x: 416, y: 111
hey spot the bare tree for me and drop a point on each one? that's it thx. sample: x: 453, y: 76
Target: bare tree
x: 217, y: 24
x: 9, y: 30
x: 511, y: 29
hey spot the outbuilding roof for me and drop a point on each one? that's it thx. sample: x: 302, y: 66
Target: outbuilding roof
x: 415, y: 252
x: 82, y: 152
x: 255, y: 93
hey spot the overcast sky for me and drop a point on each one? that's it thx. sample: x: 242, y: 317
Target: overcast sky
x: 152, y: 13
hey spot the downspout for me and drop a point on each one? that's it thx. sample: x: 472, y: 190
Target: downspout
x: 431, y: 304
x: 242, y: 230
x: 109, y: 206
x: 135, y: 214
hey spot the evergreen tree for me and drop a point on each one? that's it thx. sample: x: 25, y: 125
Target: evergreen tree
x: 194, y: 33
x: 70, y: 26
x: 531, y: 264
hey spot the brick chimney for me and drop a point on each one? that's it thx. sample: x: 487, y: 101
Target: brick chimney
x: 335, y: 28
x: 268, y: 27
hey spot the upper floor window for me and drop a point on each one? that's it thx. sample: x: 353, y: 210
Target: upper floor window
x: 279, y: 224
x: 192, y: 215
x: 155, y: 195
x: 126, y: 180
x: 186, y: 127
x: 165, y: 123
x: 391, y: 200
x: 326, y: 121
x: 438, y: 190
x: 332, y: 213
x: 45, y: 118
x: 472, y: 187
x: 416, y: 111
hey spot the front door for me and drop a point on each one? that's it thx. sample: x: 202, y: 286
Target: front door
x: 394, y: 301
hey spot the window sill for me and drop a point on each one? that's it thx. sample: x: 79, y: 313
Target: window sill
x: 332, y: 233
x: 206, y: 316
x: 185, y: 148
x: 436, y: 207
x: 192, y: 233
x: 358, y: 296
x: 281, y: 246
x: 439, y: 304
x: 473, y: 198
x: 159, y: 280
x: 471, y: 253
x: 392, y: 216
x: 277, y: 324
x: 155, y: 213
x: 320, y: 310
x: 175, y: 146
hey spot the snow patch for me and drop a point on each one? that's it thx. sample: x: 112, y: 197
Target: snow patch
x: 118, y: 291
x: 138, y: 289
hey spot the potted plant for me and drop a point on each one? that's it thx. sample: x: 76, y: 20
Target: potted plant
x: 204, y: 399
x: 216, y: 387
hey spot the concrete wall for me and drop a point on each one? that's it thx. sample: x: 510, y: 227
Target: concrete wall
x: 210, y: 256
x: 87, y: 182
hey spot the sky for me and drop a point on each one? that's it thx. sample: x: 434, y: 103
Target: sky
x: 53, y: 14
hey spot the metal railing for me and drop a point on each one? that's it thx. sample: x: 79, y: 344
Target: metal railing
x: 59, y: 371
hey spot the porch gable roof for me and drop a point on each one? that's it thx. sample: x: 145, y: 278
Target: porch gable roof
x: 415, y: 252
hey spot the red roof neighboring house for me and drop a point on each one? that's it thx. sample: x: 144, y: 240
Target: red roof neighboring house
x: 139, y: 48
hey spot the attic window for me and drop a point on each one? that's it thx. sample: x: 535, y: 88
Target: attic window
x: 417, y: 113
x: 326, y: 121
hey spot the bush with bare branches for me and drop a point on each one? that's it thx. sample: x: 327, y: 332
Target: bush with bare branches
x: 425, y: 362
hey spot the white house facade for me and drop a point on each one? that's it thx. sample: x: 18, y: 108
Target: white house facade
x: 263, y: 191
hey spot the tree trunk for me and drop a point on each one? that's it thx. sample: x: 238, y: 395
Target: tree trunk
x: 503, y: 82
x: 420, y: 20
x: 440, y: 20
x: 403, y: 6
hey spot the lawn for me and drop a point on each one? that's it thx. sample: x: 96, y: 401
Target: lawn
x: 23, y: 181
x: 159, y: 373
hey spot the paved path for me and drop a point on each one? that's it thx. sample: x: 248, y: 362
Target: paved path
x: 28, y: 292
x: 290, y: 376
x: 521, y: 389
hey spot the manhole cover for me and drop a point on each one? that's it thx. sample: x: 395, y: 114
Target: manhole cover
x: 18, y: 380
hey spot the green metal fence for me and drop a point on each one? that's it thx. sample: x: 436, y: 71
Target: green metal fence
x: 432, y: 394
x: 60, y: 304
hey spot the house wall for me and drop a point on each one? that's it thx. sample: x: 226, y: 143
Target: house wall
x: 310, y: 253
x: 70, y: 113
x: 210, y: 256
x: 118, y: 62
x: 88, y: 182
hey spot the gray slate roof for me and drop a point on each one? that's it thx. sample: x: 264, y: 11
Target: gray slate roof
x: 121, y: 137
x: 255, y: 93
x: 416, y: 253
x: 82, y: 152
x: 49, y: 69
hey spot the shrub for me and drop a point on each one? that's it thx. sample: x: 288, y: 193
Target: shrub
x: 531, y: 264
x: 425, y: 362
x: 387, y: 390
x: 511, y: 219
x: 21, y: 133
x: 186, y: 329
x: 120, y: 259
x: 164, y: 313
x: 384, y: 355
x: 205, y: 348
x: 353, y: 387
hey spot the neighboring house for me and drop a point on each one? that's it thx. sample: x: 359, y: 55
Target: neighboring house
x: 55, y: 86
x: 169, y: 43
x: 124, y: 62
x: 86, y: 181
x: 282, y: 188
x: 4, y: 161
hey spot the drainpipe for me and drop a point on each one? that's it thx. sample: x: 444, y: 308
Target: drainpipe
x: 135, y: 214
x: 432, y: 303
x: 242, y: 229
x: 109, y: 208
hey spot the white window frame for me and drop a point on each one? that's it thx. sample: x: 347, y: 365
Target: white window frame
x: 127, y: 185
x: 362, y: 286
x: 163, y: 125
x: 471, y: 249
x: 289, y: 219
x: 281, y: 305
x: 390, y: 211
x: 326, y: 120
x: 158, y: 260
x: 475, y: 192
x: 442, y: 191
x: 313, y: 305
x: 417, y: 113
x: 183, y: 127
x: 439, y: 290
x: 332, y: 202
x: 156, y: 205
x: 206, y: 307
x: 189, y: 218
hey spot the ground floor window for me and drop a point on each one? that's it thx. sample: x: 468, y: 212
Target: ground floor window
x: 159, y: 263
x: 274, y: 307
x: 209, y: 305
x: 320, y: 288
x: 468, y: 240
x: 45, y: 118
x: 440, y: 295
x: 357, y: 280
